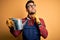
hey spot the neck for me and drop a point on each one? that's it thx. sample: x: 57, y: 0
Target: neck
x: 30, y: 16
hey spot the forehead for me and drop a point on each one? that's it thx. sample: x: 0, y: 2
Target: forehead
x: 31, y: 4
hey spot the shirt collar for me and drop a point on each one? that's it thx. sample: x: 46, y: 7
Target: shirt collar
x: 28, y: 18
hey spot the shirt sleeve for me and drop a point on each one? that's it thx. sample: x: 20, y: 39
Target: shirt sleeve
x: 42, y: 28
x: 11, y: 26
x: 15, y: 33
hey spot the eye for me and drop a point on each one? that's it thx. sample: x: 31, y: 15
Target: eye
x: 31, y: 5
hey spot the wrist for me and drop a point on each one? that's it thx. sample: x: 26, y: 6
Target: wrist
x: 39, y: 24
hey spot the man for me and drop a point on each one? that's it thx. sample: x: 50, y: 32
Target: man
x: 34, y: 27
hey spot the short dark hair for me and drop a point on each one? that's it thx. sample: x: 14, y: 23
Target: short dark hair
x: 30, y: 1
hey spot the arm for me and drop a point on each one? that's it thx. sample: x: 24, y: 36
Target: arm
x: 43, y: 30
x: 42, y: 26
x: 10, y: 24
x: 15, y: 33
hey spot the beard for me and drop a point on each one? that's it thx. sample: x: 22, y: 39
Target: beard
x: 32, y: 13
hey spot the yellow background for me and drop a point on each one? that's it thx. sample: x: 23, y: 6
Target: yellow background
x: 49, y: 10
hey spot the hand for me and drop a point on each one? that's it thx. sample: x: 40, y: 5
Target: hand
x: 36, y: 17
x: 9, y: 23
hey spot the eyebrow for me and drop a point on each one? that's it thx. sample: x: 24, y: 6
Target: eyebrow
x: 30, y: 4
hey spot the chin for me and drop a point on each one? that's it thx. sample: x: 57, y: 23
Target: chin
x: 32, y: 13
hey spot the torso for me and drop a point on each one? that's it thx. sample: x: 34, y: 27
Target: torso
x: 31, y: 32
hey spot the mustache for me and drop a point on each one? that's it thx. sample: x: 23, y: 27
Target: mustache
x: 32, y: 13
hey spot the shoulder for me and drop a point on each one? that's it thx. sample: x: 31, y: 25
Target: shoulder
x: 41, y: 19
x: 24, y: 19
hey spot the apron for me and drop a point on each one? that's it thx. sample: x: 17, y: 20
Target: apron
x: 31, y: 32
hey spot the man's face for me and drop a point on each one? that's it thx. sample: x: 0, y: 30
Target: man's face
x: 31, y: 8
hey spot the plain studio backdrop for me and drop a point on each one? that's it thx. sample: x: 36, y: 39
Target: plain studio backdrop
x: 49, y: 10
